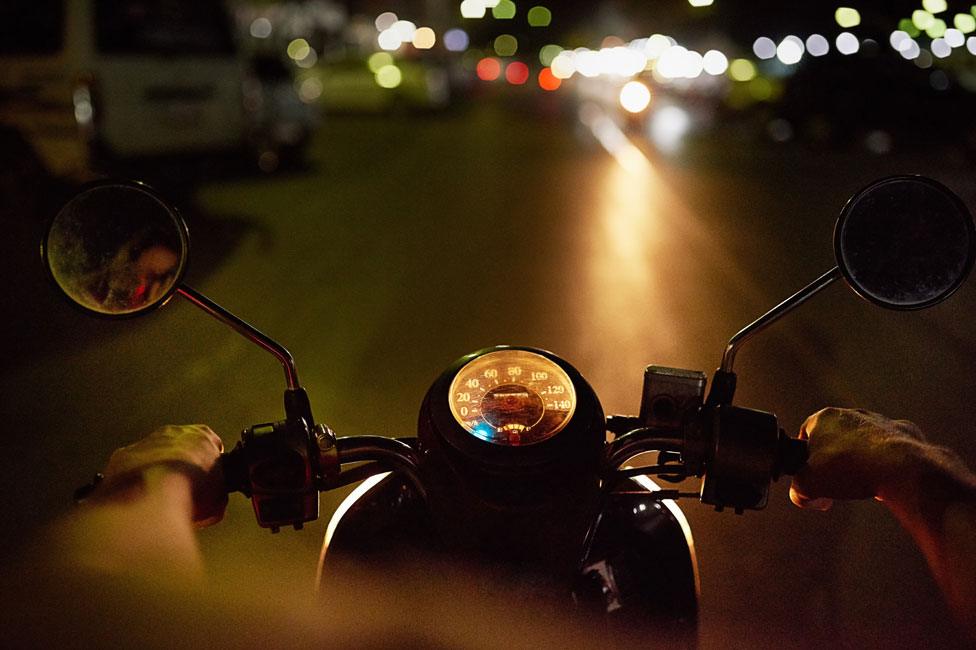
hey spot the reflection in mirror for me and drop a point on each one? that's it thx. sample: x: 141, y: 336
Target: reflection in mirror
x: 117, y: 249
x: 905, y: 242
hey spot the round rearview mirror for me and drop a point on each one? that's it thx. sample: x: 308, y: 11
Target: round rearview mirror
x: 905, y: 242
x: 117, y: 249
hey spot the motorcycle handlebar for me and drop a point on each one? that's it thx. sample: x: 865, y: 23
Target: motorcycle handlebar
x: 387, y: 451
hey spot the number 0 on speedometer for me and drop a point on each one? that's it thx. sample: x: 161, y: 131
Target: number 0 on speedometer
x: 512, y: 397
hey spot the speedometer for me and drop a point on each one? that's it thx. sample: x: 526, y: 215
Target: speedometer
x: 512, y: 397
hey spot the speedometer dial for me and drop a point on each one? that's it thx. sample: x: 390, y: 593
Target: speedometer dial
x: 512, y: 397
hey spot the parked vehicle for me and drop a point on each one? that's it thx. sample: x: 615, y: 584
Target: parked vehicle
x: 92, y: 82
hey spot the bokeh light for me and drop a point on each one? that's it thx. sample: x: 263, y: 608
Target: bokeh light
x: 656, y: 45
x: 405, y: 30
x: 539, y: 17
x: 505, y: 45
x: 847, y: 43
x: 935, y: 6
x: 910, y: 49
x: 298, y: 49
x: 456, y: 40
x: 971, y: 44
x: 940, y: 48
x: 790, y: 50
x: 549, y: 81
x: 588, y: 63
x: 742, y: 70
x: 378, y: 60
x: 817, y: 45
x: 472, y: 9
x: 564, y: 65
x: 715, y: 63
x: 621, y: 61
x: 488, y: 69
x: 504, y: 10
x: 635, y: 97
x: 922, y: 19
x: 389, y: 40
x: 547, y: 53
x: 965, y: 23
x: 668, y: 127
x: 389, y: 76
x: 954, y: 38
x: 764, y: 48
x: 310, y: 90
x: 899, y: 39
x: 424, y: 38
x: 385, y: 20
x: 517, y: 73
x: 937, y: 29
x: 847, y: 17
x: 261, y: 28
x: 678, y: 62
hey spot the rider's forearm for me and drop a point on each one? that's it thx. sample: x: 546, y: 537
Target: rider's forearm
x: 934, y: 497
x: 143, y: 526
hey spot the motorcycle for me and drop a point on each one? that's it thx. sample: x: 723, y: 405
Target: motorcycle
x: 515, y: 467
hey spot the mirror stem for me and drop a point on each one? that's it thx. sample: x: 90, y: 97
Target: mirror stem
x: 246, y: 330
x: 775, y: 314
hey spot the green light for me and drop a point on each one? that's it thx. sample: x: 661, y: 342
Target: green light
x: 539, y: 17
x: 742, y: 70
x: 935, y: 6
x: 504, y: 10
x: 965, y: 23
x: 298, y: 49
x: 847, y: 17
x: 379, y: 60
x: 548, y: 53
x: 922, y: 19
x: 389, y: 76
x: 506, y: 45
x: 937, y: 29
x: 906, y: 25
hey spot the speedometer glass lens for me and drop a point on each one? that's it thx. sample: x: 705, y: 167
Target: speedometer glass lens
x: 512, y: 397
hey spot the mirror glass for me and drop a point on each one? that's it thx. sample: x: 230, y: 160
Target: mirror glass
x: 117, y: 249
x: 905, y: 242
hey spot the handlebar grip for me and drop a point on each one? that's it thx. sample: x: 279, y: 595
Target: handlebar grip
x: 234, y: 470
x: 792, y: 455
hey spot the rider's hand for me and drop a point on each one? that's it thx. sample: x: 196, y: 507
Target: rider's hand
x: 192, y: 450
x: 854, y: 454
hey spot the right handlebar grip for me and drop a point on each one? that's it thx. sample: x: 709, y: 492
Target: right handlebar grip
x: 792, y: 455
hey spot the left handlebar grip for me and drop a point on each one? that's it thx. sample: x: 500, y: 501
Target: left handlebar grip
x: 234, y: 469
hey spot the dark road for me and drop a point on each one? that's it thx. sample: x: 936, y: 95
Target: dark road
x: 413, y: 241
